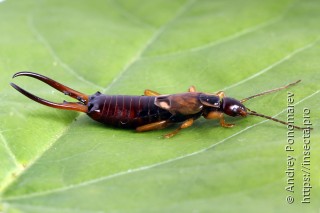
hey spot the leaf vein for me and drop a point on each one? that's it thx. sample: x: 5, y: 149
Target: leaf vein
x: 227, y: 38
x: 275, y: 64
x: 130, y: 16
x: 9, y: 151
x: 49, y: 208
x: 54, y: 55
x: 18, y: 166
x: 145, y: 47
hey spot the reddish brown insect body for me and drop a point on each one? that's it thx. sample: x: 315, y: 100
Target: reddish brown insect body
x: 152, y: 111
x: 125, y: 111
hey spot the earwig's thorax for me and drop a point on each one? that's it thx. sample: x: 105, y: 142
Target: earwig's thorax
x: 210, y: 100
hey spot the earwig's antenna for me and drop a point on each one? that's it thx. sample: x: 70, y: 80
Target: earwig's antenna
x: 271, y: 118
x: 269, y: 91
x: 250, y: 112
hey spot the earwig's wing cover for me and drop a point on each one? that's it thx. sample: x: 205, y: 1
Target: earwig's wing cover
x: 185, y: 103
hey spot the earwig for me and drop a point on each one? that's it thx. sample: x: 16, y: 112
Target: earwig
x: 151, y: 111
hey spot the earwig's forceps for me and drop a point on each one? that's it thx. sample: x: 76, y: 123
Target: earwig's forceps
x: 80, y: 106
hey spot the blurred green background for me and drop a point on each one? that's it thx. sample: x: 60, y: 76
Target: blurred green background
x: 62, y: 161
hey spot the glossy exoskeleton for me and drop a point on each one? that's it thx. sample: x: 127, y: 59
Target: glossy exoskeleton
x: 151, y: 111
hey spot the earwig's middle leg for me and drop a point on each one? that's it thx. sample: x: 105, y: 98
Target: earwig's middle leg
x: 184, y: 125
x: 220, y: 94
x: 218, y: 115
x: 192, y: 89
x: 148, y: 92
x: 153, y: 126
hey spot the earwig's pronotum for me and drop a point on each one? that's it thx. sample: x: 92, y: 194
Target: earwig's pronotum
x: 151, y: 111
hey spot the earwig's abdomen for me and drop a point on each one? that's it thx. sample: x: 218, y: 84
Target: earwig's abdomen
x: 125, y: 111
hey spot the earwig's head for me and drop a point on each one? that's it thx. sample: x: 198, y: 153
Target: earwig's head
x: 233, y: 107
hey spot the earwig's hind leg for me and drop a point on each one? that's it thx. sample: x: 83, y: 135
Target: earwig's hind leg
x: 148, y: 92
x: 192, y: 89
x: 184, y: 125
x: 218, y: 115
x: 152, y: 126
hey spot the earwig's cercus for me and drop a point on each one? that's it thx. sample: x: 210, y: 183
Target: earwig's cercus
x: 151, y: 111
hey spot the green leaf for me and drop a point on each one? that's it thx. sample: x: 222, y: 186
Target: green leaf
x: 62, y: 161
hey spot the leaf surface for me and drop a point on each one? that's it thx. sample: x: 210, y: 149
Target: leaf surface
x: 61, y: 161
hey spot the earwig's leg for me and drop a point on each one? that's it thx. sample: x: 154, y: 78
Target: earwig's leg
x: 152, y: 126
x: 184, y: 125
x: 224, y: 124
x: 220, y: 94
x: 192, y: 89
x: 148, y: 92
x: 218, y: 115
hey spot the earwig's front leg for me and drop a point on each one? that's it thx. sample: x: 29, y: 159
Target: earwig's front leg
x: 152, y: 126
x: 148, y: 92
x: 220, y: 94
x: 184, y: 125
x: 218, y: 115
